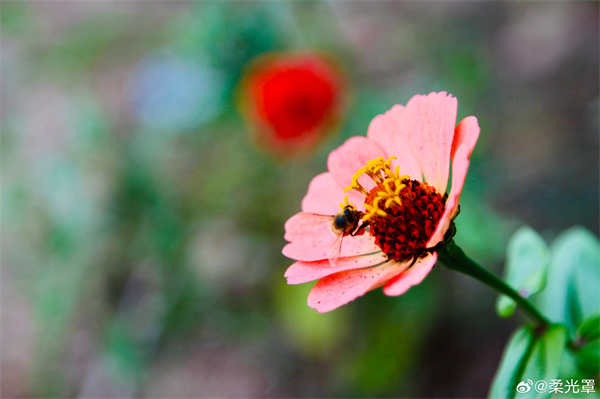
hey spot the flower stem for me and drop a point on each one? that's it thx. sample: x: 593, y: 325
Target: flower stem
x: 454, y: 258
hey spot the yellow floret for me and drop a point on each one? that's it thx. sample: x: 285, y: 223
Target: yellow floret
x: 388, y: 183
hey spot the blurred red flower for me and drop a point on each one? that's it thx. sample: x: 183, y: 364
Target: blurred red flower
x: 292, y: 100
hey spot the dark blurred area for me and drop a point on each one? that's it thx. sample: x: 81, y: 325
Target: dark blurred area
x: 142, y: 221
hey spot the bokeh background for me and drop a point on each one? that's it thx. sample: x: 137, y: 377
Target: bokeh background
x: 142, y: 225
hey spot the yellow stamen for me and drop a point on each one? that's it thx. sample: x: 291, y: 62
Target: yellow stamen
x: 355, y: 184
x: 346, y: 203
x: 388, y: 183
x: 376, y: 202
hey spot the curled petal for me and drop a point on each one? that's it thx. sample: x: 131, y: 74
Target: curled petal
x: 310, y: 238
x: 467, y: 133
x: 459, y: 174
x: 387, y: 131
x: 413, y: 276
x: 340, y: 288
x: 345, y: 161
x: 302, y: 272
x: 429, y: 121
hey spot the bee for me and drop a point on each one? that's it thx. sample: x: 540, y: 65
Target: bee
x: 344, y: 223
x: 346, y: 220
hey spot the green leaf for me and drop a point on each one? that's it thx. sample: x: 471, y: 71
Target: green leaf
x: 544, y: 362
x: 505, y: 307
x: 509, y: 373
x: 590, y: 329
x: 571, y: 293
x: 588, y: 358
x: 586, y: 257
x: 528, y: 258
x: 528, y: 359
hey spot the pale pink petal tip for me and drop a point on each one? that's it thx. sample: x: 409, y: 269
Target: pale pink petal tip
x: 413, y: 276
x: 352, y: 156
x: 338, y: 289
x: 390, y: 132
x: 324, y: 195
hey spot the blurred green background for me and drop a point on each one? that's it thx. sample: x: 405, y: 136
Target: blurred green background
x: 142, y: 228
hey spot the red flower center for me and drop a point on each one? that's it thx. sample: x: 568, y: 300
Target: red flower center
x: 407, y: 227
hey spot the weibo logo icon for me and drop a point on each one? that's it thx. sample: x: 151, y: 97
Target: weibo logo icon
x: 523, y: 386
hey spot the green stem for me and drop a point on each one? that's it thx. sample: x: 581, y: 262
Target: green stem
x: 454, y: 258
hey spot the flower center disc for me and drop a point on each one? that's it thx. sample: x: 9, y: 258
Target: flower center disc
x: 402, y: 213
x: 404, y: 231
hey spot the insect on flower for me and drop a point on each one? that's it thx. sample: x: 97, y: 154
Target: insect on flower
x: 397, y: 178
x: 343, y: 223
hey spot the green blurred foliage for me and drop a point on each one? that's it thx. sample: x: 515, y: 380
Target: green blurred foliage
x: 571, y: 295
x: 569, y: 350
x: 544, y: 359
x: 510, y: 370
x: 527, y: 260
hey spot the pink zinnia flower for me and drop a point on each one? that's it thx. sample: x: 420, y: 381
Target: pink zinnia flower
x: 394, y: 212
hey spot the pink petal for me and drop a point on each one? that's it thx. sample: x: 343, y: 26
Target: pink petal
x: 467, y: 133
x: 340, y: 288
x: 459, y: 173
x: 387, y: 132
x: 302, y: 272
x: 413, y: 276
x: 353, y: 155
x: 430, y: 121
x: 310, y: 238
x: 324, y: 195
